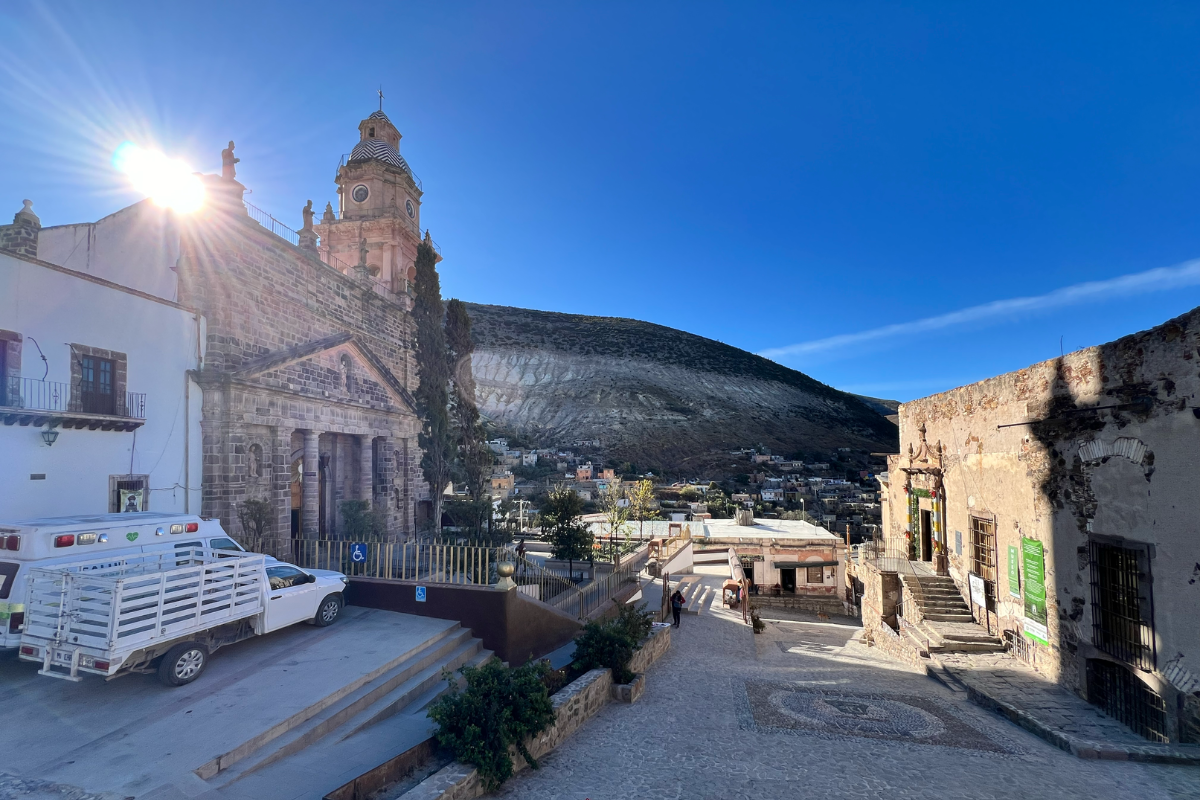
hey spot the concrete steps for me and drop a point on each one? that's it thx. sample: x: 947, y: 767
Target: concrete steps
x: 947, y: 620
x: 959, y: 637
x: 408, y: 686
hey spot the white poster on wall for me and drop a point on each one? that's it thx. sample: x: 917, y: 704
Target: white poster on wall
x: 978, y: 590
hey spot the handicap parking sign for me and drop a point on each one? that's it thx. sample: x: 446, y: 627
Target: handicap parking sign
x: 358, y: 553
x: 420, y: 594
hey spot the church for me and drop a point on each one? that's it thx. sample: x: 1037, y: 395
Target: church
x: 299, y: 370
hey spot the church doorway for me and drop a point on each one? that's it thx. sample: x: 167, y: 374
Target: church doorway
x: 297, y: 495
x: 926, y: 535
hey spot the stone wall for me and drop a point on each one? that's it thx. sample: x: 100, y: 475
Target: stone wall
x: 1095, y: 447
x: 293, y: 345
x: 655, y: 646
x: 815, y: 604
x: 574, y: 704
x: 890, y: 642
x: 881, y: 595
x: 21, y: 238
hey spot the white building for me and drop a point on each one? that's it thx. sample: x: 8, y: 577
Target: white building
x: 99, y: 411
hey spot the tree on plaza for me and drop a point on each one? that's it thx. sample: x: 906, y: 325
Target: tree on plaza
x: 569, y: 538
x: 474, y: 457
x: 640, y: 496
x: 616, y: 513
x: 432, y: 392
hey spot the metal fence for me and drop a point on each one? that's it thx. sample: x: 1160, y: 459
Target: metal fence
x: 273, y: 225
x: 36, y: 395
x: 462, y: 564
x: 429, y: 563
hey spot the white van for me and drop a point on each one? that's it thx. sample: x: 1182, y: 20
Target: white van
x: 60, y: 540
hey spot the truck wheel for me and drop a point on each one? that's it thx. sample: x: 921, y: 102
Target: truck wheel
x: 328, y: 612
x: 182, y: 664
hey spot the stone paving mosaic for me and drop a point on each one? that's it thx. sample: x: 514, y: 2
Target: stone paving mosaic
x: 693, y: 735
x: 783, y: 708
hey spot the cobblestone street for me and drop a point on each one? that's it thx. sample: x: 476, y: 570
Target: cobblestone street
x: 804, y: 711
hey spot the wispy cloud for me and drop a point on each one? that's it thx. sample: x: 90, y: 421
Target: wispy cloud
x: 1154, y: 280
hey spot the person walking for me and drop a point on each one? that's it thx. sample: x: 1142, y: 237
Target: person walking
x: 676, y: 606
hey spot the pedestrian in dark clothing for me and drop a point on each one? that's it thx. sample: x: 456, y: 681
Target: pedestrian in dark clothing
x: 676, y: 606
x: 521, y: 548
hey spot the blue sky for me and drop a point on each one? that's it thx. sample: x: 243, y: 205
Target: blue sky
x: 765, y: 175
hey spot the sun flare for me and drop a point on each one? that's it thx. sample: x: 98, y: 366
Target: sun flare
x: 167, y: 181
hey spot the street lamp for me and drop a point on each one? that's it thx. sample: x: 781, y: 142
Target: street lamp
x: 49, y: 436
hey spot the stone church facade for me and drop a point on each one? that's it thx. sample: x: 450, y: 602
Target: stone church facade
x: 300, y: 372
x: 308, y: 372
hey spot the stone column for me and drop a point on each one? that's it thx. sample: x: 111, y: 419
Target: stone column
x: 366, y: 469
x: 281, y: 489
x: 310, y: 526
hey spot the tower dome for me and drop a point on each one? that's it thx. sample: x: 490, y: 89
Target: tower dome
x: 379, y: 140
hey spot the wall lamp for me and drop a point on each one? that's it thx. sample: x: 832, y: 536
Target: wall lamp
x: 49, y: 436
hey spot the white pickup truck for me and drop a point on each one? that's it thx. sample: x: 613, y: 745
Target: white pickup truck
x: 164, y: 611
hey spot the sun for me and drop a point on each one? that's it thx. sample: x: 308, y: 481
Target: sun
x: 167, y: 181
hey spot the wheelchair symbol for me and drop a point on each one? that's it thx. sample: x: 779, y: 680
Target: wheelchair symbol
x: 358, y: 553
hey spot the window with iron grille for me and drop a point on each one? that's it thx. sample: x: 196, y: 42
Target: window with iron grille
x: 128, y: 483
x: 983, y: 550
x: 1121, y: 695
x: 1123, y: 602
x: 816, y: 574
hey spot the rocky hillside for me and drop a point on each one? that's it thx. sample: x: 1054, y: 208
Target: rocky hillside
x: 658, y: 397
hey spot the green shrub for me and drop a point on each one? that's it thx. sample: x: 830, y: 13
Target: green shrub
x: 610, y: 644
x: 603, y: 645
x: 636, y: 622
x: 501, y: 707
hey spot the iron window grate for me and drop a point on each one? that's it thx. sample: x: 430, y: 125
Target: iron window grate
x: 983, y: 550
x: 1122, y: 696
x: 1122, y: 606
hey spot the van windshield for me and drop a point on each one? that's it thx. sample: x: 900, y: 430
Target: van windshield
x: 226, y: 544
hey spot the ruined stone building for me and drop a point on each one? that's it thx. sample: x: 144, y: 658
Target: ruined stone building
x: 1070, y: 489
x: 303, y: 382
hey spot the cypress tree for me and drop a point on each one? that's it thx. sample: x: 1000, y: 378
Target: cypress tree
x: 473, y: 456
x: 432, y: 392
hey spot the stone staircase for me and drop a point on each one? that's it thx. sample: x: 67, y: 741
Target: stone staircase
x: 390, y: 704
x: 696, y: 595
x: 946, y: 621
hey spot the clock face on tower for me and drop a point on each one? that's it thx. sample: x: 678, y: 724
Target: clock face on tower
x: 360, y: 193
x: 408, y: 206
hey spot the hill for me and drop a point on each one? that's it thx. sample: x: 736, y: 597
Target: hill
x: 655, y: 396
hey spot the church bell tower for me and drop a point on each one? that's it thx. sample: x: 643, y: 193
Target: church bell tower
x: 377, y: 221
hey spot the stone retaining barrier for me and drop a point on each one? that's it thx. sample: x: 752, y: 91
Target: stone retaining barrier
x: 574, y: 705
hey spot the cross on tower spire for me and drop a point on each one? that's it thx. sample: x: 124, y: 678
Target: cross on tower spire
x: 381, y: 97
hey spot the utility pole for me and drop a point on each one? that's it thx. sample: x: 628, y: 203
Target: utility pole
x: 521, y: 515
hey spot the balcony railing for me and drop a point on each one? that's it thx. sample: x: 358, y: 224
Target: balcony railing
x: 273, y: 225
x: 29, y: 394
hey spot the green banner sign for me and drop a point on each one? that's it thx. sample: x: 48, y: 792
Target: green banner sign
x: 1014, y: 571
x: 1033, y: 560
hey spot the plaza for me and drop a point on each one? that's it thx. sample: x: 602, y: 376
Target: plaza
x: 806, y: 710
